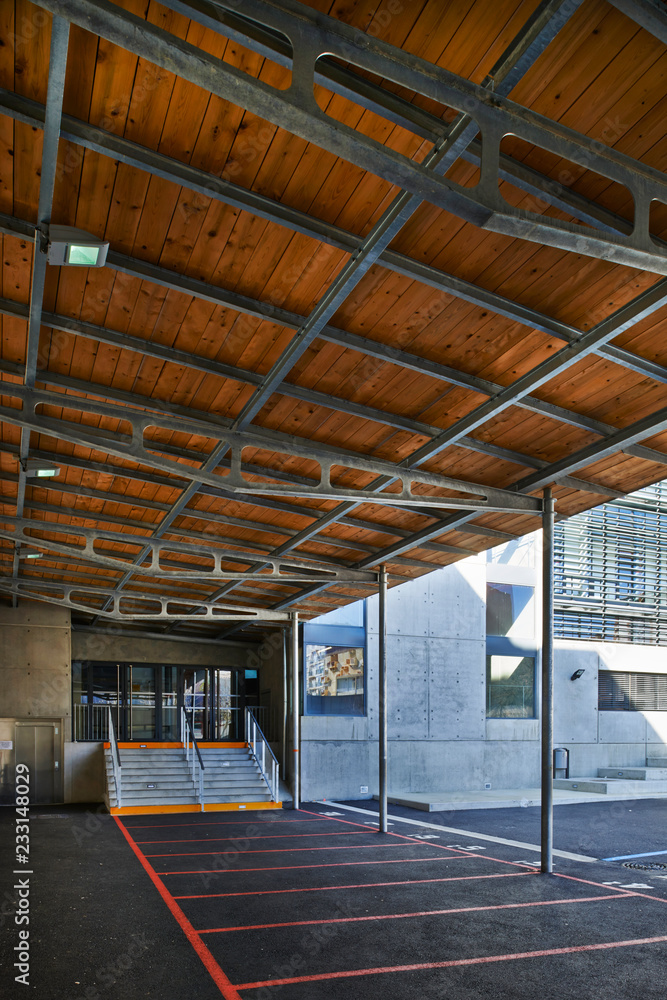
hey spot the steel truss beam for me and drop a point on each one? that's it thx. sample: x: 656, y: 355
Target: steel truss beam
x: 426, y: 274
x: 650, y: 14
x: 95, y: 549
x: 439, y: 280
x: 52, y: 116
x: 645, y: 304
x: 467, y: 442
x: 138, y: 447
x: 195, y: 179
x: 130, y: 607
x: 314, y: 35
x: 208, y: 516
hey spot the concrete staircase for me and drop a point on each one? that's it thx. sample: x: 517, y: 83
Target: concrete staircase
x: 161, y: 779
x: 631, y: 781
x: 232, y: 775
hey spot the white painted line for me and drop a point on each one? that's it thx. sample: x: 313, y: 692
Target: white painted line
x: 463, y: 833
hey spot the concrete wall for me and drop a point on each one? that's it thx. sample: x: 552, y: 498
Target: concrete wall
x: 130, y: 649
x: 35, y: 664
x: 35, y: 667
x: 439, y: 736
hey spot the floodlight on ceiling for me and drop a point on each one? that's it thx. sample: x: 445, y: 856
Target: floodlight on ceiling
x: 70, y: 246
x: 36, y: 469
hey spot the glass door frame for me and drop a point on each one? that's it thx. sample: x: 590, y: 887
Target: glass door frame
x: 209, y: 734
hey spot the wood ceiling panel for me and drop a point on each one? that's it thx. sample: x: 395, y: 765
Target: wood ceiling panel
x: 601, y: 69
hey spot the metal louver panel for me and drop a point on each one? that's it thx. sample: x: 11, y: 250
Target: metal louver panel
x: 611, y: 571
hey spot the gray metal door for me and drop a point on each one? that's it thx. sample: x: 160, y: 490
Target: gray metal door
x: 37, y: 745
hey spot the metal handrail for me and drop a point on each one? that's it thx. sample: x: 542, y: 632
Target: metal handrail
x: 256, y: 739
x: 189, y: 741
x: 115, y: 759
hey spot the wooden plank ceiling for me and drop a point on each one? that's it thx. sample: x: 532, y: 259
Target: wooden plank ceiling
x: 206, y: 289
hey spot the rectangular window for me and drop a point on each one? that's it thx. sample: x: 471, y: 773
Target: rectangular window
x: 510, y: 610
x: 510, y: 687
x: 334, y: 679
x: 625, y: 692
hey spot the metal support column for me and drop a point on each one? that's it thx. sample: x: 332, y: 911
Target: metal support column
x: 547, y: 817
x: 285, y: 703
x: 296, y: 748
x: 382, y: 700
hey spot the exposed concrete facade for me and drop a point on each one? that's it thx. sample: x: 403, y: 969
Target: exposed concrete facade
x: 439, y: 736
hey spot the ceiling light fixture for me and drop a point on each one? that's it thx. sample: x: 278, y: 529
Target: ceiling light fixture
x: 68, y: 245
x: 31, y: 555
x: 36, y: 469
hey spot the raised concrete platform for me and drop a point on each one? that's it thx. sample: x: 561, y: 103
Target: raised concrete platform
x: 503, y: 798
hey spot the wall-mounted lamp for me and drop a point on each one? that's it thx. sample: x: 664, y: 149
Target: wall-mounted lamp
x: 68, y: 245
x: 35, y: 468
x: 577, y: 674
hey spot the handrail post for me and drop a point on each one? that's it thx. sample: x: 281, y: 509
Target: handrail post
x: 115, y: 761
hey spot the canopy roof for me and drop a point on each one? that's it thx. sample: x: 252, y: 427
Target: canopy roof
x: 378, y: 273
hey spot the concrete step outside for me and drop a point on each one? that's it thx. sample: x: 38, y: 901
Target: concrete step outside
x: 634, y: 773
x: 605, y: 786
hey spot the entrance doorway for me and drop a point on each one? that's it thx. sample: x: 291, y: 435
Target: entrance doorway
x: 146, y: 701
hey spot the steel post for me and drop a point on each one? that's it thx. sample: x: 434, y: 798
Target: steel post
x: 296, y: 790
x: 382, y: 700
x: 546, y: 842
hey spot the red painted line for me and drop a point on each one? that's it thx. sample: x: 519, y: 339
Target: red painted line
x: 544, y: 953
x: 289, y: 868
x: 285, y: 850
x: 228, y: 991
x: 403, y: 836
x: 236, y: 822
x: 272, y: 836
x: 629, y: 892
x: 362, y: 885
x: 403, y: 916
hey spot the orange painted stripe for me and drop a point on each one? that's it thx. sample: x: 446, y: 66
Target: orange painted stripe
x: 192, y: 808
x: 219, y: 978
x: 221, y: 746
x: 418, y: 913
x: 137, y: 744
x: 153, y: 810
x: 453, y: 963
x: 230, y: 806
x: 143, y: 745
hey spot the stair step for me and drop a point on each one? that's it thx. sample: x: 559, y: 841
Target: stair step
x: 656, y: 761
x: 231, y: 775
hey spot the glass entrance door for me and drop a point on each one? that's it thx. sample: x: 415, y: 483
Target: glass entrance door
x: 211, y: 697
x: 146, y: 698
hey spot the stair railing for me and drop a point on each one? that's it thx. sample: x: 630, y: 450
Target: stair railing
x: 115, y: 759
x: 192, y: 750
x: 263, y: 754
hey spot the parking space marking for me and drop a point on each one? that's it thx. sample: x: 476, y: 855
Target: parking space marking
x: 418, y: 913
x: 453, y: 963
x: 332, y: 864
x: 472, y: 835
x: 362, y: 885
x: 226, y: 988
